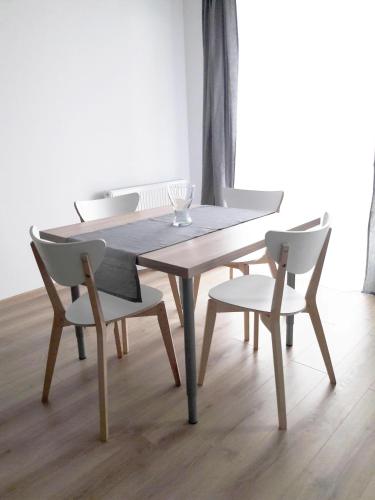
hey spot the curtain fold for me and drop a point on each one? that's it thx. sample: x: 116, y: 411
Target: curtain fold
x: 369, y: 284
x: 220, y: 56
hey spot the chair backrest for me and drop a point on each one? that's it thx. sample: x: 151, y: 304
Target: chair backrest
x: 63, y: 261
x: 304, y: 246
x: 253, y: 200
x: 106, y: 207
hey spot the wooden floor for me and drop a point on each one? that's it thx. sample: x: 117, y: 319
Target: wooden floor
x: 235, y: 451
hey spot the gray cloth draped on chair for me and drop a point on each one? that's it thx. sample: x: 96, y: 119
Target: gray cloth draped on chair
x: 220, y: 51
x: 369, y: 284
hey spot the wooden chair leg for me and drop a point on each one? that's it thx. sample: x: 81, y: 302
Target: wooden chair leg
x: 117, y: 340
x: 197, y: 280
x: 272, y: 266
x: 319, y: 332
x: 54, y: 343
x: 207, y: 338
x: 279, y: 373
x: 256, y: 331
x: 102, y: 382
x: 176, y: 296
x: 246, y: 326
x: 125, y: 338
x: 168, y: 342
x: 246, y: 315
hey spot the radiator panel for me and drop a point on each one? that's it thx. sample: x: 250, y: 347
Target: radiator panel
x: 150, y: 195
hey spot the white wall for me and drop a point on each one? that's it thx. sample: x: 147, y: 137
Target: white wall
x: 92, y: 96
x: 194, y: 88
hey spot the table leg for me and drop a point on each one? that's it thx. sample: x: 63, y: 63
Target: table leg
x: 189, y: 336
x: 79, y: 330
x: 291, y: 281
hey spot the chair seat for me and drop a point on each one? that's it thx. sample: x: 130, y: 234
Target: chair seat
x: 255, y: 293
x: 80, y: 312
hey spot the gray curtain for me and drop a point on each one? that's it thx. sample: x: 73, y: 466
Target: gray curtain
x: 220, y: 53
x: 369, y: 284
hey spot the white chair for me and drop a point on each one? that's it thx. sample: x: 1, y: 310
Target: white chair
x: 107, y: 207
x: 72, y: 264
x: 296, y: 252
x: 101, y: 208
x: 252, y: 200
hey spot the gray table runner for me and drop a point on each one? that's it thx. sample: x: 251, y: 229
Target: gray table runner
x: 118, y: 274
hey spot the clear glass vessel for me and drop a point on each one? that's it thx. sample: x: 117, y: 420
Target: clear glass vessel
x: 181, y: 196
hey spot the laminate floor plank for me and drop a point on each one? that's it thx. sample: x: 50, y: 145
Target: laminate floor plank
x: 235, y: 451
x: 345, y: 465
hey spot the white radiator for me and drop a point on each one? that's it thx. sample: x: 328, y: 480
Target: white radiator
x: 150, y: 195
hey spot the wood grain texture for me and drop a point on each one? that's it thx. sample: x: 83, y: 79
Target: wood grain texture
x: 168, y: 342
x: 116, y: 332
x: 176, y: 297
x: 246, y: 315
x: 236, y: 451
x: 125, y: 337
x: 207, y: 339
x: 101, y: 343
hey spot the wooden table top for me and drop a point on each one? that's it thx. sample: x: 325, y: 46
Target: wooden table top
x: 200, y: 254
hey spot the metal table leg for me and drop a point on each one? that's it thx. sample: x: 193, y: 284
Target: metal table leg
x: 189, y: 336
x: 291, y: 281
x: 79, y: 330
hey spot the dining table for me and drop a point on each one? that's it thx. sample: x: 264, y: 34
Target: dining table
x: 190, y: 258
